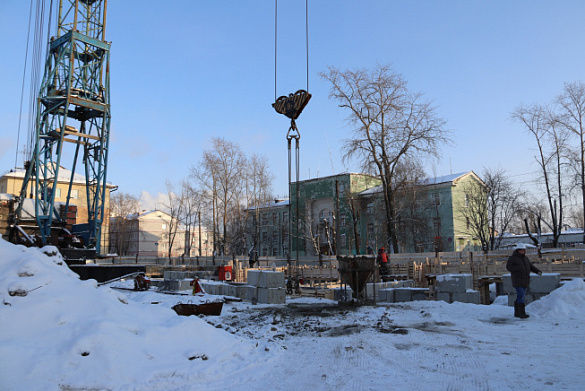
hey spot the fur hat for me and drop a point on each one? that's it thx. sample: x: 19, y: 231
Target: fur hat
x: 521, y: 246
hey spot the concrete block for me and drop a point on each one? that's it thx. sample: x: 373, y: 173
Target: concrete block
x: 454, y: 282
x: 507, y: 284
x: 246, y: 292
x: 169, y: 286
x: 545, y: 284
x: 445, y: 296
x: 229, y: 290
x: 271, y: 295
x: 185, y: 285
x: 419, y: 293
x: 409, y: 294
x: 386, y: 294
x: 374, y: 288
x: 472, y: 297
x: 265, y: 279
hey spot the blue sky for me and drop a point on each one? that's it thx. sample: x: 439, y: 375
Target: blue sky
x: 184, y: 71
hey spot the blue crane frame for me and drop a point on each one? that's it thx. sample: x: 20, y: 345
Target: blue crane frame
x: 73, y: 107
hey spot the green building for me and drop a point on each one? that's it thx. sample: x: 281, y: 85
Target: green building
x: 344, y: 214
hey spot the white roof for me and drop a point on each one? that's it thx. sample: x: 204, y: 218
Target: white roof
x: 64, y: 175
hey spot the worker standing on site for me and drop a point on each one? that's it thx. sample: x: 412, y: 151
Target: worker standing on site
x: 520, y: 267
x: 383, y: 261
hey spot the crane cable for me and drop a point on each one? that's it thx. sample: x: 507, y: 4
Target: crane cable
x: 38, y: 9
x: 276, y: 44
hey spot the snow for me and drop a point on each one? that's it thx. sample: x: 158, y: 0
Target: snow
x: 60, y: 333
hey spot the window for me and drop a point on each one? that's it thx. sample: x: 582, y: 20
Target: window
x: 342, y: 220
x: 274, y: 218
x: 466, y: 201
x: 164, y: 226
x: 75, y: 194
x: 57, y: 193
x: 370, y: 209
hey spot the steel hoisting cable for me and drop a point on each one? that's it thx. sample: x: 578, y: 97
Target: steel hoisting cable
x: 22, y: 87
x: 276, y: 44
x: 307, y: 38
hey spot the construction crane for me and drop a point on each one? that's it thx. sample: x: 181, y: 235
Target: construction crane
x: 72, y: 111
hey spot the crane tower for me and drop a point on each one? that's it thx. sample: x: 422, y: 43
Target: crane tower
x: 73, y: 116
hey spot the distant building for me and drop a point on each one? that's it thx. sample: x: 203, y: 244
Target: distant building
x: 148, y: 235
x: 11, y: 183
x: 345, y: 214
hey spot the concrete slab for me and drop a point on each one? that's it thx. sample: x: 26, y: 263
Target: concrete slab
x: 472, y: 297
x: 454, y: 283
x: 265, y: 278
x: 409, y: 294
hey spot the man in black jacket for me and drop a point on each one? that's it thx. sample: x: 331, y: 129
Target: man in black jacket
x: 520, y: 267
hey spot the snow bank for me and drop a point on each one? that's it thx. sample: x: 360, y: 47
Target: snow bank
x: 566, y: 302
x: 63, y: 331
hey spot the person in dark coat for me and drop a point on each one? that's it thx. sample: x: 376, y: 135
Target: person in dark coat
x: 520, y: 267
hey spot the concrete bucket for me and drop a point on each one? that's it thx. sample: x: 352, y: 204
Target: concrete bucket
x: 356, y: 271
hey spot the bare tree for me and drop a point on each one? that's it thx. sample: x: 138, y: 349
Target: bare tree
x: 412, y: 206
x: 551, y: 144
x: 503, y: 202
x: 572, y: 103
x: 124, y: 208
x: 258, y: 186
x: 175, y: 208
x: 390, y: 124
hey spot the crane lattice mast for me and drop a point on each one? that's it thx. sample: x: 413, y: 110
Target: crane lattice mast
x: 73, y: 110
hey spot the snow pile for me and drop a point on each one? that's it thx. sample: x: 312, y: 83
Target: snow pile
x: 59, y: 330
x: 566, y: 302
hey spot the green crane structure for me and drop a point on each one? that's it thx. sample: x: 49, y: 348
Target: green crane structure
x: 72, y: 110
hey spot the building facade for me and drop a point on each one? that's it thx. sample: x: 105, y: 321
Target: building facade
x: 149, y: 234
x: 345, y: 214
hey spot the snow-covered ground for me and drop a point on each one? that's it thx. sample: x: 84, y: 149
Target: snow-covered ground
x: 60, y: 333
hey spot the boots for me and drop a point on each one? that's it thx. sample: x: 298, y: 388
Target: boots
x: 522, y: 311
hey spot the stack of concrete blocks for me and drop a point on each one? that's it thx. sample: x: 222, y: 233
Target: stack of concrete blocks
x: 269, y: 286
x: 180, y: 281
x: 390, y: 291
x: 403, y: 291
x: 456, y: 287
x: 265, y: 287
x: 539, y: 286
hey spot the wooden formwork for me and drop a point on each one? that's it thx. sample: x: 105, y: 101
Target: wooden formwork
x: 569, y: 263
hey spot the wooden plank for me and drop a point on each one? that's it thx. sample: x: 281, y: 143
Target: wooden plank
x: 84, y: 135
